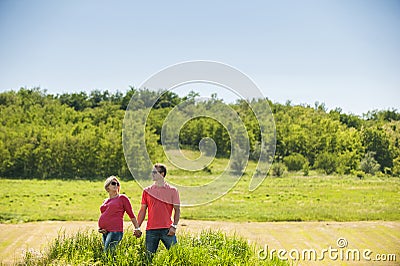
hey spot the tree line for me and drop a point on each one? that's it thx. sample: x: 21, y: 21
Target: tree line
x: 78, y: 135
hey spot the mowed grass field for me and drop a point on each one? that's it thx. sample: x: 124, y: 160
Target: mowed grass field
x: 380, y: 237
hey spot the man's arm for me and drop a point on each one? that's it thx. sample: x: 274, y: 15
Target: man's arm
x: 177, y: 215
x: 142, y: 214
x: 135, y: 222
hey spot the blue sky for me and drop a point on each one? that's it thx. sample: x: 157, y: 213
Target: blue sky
x: 343, y: 53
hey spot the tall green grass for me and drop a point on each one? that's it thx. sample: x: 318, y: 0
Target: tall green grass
x: 207, y: 248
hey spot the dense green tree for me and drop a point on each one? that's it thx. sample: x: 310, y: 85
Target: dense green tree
x: 375, y: 140
x: 78, y: 101
x: 383, y: 115
x: 80, y: 136
x: 327, y: 162
x: 295, y: 161
x: 368, y: 164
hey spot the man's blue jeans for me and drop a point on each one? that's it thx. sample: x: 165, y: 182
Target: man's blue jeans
x: 154, y: 236
x: 111, y: 239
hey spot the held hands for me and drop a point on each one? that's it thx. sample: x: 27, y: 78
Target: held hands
x: 137, y: 233
x: 102, y: 231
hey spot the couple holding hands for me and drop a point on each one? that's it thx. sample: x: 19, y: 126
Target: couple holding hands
x: 158, y: 199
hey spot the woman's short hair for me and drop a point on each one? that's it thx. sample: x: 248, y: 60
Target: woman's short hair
x: 109, y: 180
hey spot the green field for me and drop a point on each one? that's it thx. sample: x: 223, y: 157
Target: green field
x: 288, y: 198
x: 292, y: 197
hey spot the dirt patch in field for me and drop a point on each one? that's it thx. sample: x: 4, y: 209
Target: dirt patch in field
x: 294, y: 238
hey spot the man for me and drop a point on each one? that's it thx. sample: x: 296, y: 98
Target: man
x: 160, y: 199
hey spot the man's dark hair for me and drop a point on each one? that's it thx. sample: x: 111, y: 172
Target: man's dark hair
x: 161, y: 168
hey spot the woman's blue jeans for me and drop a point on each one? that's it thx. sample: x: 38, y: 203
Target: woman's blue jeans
x: 154, y: 236
x: 111, y: 239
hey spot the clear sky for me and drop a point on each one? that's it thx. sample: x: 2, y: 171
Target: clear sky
x: 344, y: 53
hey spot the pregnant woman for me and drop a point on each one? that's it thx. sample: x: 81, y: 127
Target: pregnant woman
x: 111, y: 221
